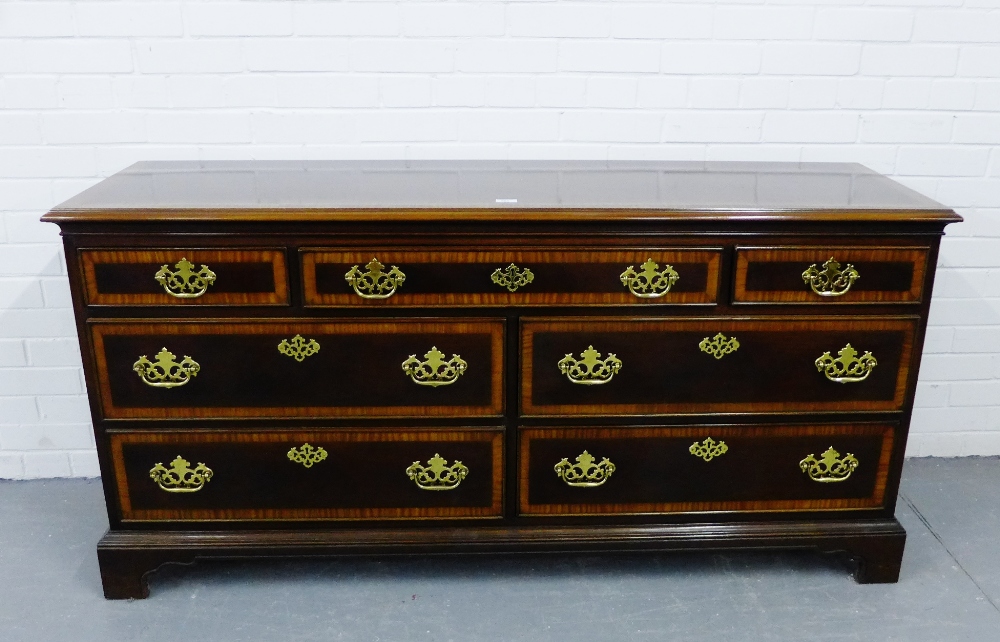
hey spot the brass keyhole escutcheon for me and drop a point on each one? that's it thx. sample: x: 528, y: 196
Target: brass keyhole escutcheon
x: 512, y: 277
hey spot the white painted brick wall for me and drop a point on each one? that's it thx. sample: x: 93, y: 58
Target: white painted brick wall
x: 909, y: 87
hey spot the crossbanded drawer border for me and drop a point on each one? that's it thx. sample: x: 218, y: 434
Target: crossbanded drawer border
x: 492, y: 434
x: 918, y: 256
x: 908, y: 324
x: 711, y: 256
x: 495, y: 327
x: 875, y: 502
x: 89, y: 257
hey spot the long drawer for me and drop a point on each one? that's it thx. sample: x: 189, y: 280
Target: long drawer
x: 604, y: 366
x: 309, y: 475
x: 595, y: 471
x: 449, y: 277
x: 184, y: 276
x: 271, y: 368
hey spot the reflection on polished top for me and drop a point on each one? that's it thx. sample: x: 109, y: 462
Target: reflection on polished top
x: 508, y: 190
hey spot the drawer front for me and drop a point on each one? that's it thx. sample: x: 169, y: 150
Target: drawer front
x: 605, y: 366
x: 224, y: 368
x: 185, y: 277
x: 595, y: 471
x: 828, y: 275
x: 529, y: 277
x: 363, y: 474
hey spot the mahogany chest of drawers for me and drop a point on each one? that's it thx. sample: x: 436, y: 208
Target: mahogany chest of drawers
x: 325, y: 358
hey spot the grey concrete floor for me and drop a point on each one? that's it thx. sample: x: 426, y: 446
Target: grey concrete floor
x: 949, y: 589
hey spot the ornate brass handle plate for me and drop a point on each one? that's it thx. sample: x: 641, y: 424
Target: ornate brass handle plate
x: 650, y: 282
x: 307, y: 455
x: 585, y: 473
x: 847, y: 367
x: 437, y: 474
x: 831, y: 280
x: 434, y: 371
x: 590, y: 369
x: 183, y: 282
x: 831, y: 467
x: 719, y: 346
x: 708, y: 449
x: 298, y: 348
x: 375, y: 283
x: 166, y: 371
x: 180, y: 477
x: 512, y: 277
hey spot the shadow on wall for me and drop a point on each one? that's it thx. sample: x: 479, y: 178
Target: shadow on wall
x: 957, y: 406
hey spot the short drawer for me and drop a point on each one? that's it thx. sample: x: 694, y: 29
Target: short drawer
x: 596, y: 471
x: 529, y: 277
x: 226, y: 368
x: 309, y: 475
x: 185, y: 277
x: 827, y: 275
x: 604, y: 366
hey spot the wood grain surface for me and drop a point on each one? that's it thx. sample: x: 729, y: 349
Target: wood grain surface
x: 655, y: 472
x: 254, y: 480
x: 140, y: 288
x: 888, y: 275
x: 244, y: 375
x: 665, y: 372
x: 442, y: 277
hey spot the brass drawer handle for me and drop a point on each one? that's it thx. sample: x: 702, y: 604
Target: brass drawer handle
x: 435, y: 371
x: 375, y: 284
x: 166, y: 371
x: 298, y: 348
x: 847, y: 367
x: 512, y: 277
x: 830, y: 467
x: 831, y: 280
x: 651, y: 282
x: 719, y: 346
x: 708, y: 449
x: 307, y: 455
x: 591, y: 369
x: 180, y: 477
x: 185, y: 283
x: 437, y: 474
x: 585, y: 473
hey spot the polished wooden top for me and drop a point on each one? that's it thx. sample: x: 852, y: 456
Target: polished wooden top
x: 496, y: 190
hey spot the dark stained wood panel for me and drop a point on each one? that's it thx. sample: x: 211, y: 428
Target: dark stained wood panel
x: 243, y: 276
x: 655, y: 471
x: 449, y: 225
x: 442, y: 277
x: 363, y: 476
x: 357, y: 370
x: 664, y: 371
x: 509, y: 191
x: 774, y: 274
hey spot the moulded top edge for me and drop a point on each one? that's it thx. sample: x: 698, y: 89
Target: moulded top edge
x: 538, y: 215
x: 501, y: 190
